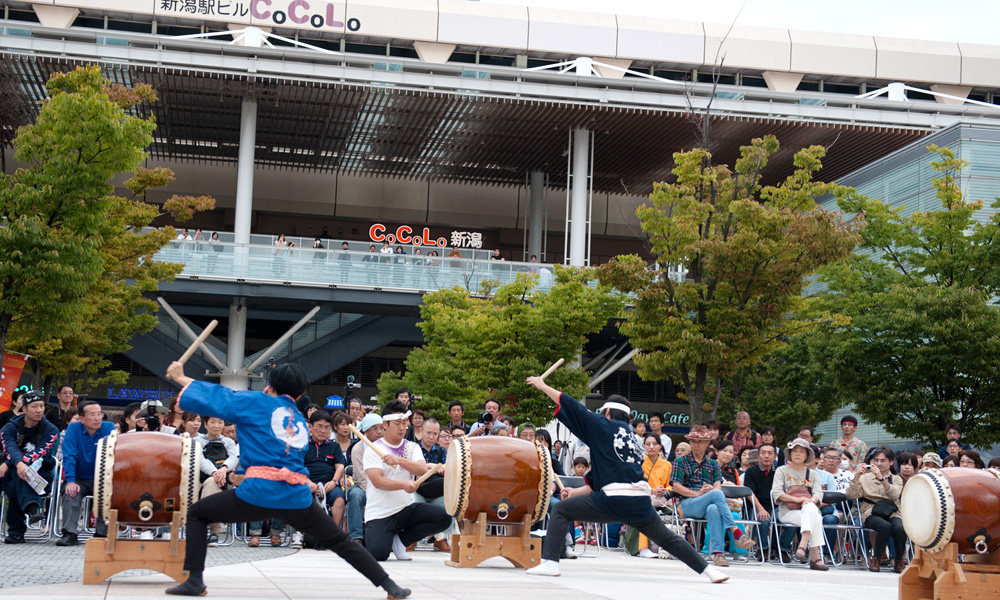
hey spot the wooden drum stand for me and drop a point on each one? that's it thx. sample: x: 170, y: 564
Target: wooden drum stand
x: 942, y: 576
x: 106, y: 557
x: 473, y: 545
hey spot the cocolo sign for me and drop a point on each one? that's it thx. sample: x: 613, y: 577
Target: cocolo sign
x: 404, y: 235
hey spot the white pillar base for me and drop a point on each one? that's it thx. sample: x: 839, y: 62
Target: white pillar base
x: 433, y: 52
x: 959, y: 91
x: 778, y: 81
x: 59, y: 17
x: 614, y: 62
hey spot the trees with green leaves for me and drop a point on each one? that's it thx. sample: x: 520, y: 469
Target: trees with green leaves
x: 477, y: 348
x: 746, y: 249
x: 922, y: 347
x: 76, y: 261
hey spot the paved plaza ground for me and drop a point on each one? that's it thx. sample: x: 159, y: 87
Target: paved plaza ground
x: 280, y: 573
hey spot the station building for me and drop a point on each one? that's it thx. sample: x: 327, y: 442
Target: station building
x: 450, y: 125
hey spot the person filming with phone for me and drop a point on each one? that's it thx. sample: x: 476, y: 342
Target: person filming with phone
x: 879, y: 491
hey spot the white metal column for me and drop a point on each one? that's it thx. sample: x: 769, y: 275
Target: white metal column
x: 235, y: 377
x: 579, y: 198
x: 244, y: 171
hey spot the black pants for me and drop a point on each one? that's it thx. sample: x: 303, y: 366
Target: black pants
x: 583, y: 508
x: 20, y: 496
x: 412, y: 524
x: 225, y: 507
x: 884, y: 530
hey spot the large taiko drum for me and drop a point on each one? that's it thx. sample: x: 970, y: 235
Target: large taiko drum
x: 147, y: 476
x: 506, y: 478
x: 954, y: 504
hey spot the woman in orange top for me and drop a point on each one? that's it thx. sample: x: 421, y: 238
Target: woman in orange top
x: 656, y: 469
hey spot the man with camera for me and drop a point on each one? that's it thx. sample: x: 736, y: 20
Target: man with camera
x: 879, y: 493
x: 150, y: 410
x: 487, y: 419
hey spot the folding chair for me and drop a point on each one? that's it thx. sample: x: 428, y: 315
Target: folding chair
x: 48, y: 503
x: 697, y: 526
x: 748, y: 517
x: 848, y: 533
x: 781, y: 540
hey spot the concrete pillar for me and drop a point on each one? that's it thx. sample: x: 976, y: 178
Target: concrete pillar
x: 433, y: 52
x: 244, y: 171
x: 536, y: 217
x: 960, y: 93
x: 58, y: 17
x: 579, y: 198
x: 234, y: 378
x: 779, y: 81
x: 621, y: 63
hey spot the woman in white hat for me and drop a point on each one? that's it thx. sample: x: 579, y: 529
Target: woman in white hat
x: 801, y: 507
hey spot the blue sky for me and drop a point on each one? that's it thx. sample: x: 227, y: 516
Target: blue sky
x: 973, y: 21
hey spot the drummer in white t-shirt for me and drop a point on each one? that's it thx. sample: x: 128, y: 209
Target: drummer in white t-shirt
x: 393, y: 519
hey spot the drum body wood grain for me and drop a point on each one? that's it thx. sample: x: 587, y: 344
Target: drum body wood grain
x: 506, y: 478
x: 954, y: 504
x: 147, y: 476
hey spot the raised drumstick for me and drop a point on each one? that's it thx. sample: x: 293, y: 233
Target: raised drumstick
x: 554, y: 366
x: 197, y: 343
x: 365, y: 439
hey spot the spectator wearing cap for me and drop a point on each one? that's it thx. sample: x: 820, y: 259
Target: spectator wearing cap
x: 152, y: 411
x: 931, y: 460
x: 698, y: 480
x: 79, y: 452
x: 371, y: 427
x: 807, y: 517
x: 953, y: 433
x: 28, y: 443
x: 849, y: 443
x: 526, y: 432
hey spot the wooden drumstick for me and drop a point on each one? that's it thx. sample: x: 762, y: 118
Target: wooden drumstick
x: 365, y: 439
x: 554, y: 366
x: 430, y: 471
x: 197, y: 343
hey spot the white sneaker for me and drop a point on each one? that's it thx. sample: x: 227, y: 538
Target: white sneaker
x: 548, y: 568
x: 297, y: 540
x: 570, y: 552
x: 165, y: 536
x: 714, y: 575
x: 399, y: 549
x: 647, y: 553
x: 147, y: 534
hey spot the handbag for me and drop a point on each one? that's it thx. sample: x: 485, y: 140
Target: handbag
x: 884, y: 509
x: 799, y: 491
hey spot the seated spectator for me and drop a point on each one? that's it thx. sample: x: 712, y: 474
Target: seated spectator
x: 656, y: 469
x: 416, y: 431
x: 950, y: 460
x: 15, y: 409
x: 28, y: 443
x: 371, y: 427
x: 445, y: 438
x: 342, y: 434
x: 801, y: 508
x: 714, y: 430
x: 698, y: 480
x: 682, y: 449
x: 953, y: 433
x: 432, y: 490
x: 747, y: 459
x: 190, y: 424
x: 500, y: 429
x: 970, y: 459
x: 580, y: 466
x: 832, y: 461
x: 526, y: 432
x: 457, y: 432
x: 639, y: 427
x: 130, y: 419
x: 65, y: 401
x: 79, y: 458
x: 953, y: 448
x: 994, y: 463
x: 725, y: 457
x: 879, y: 493
x: 219, y: 457
x: 909, y: 464
x: 326, y: 463
x: 393, y: 520
x: 311, y: 409
x: 760, y: 479
x: 932, y: 460
x: 806, y: 433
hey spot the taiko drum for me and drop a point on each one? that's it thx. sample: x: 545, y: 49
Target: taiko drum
x: 147, y: 476
x: 506, y: 478
x: 955, y: 504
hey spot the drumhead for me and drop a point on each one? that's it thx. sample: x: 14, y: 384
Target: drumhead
x: 457, y: 477
x: 544, y: 482
x: 927, y: 508
x: 189, y: 476
x: 104, y: 474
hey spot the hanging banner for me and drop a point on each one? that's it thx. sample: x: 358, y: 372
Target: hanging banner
x: 10, y: 375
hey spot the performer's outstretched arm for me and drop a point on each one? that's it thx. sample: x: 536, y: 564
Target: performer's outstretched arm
x: 176, y: 372
x: 539, y: 383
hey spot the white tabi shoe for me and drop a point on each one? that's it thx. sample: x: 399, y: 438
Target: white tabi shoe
x: 714, y: 575
x: 399, y: 549
x: 647, y: 553
x: 548, y: 568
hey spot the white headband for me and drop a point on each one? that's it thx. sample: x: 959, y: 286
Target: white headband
x: 616, y: 406
x: 396, y: 416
